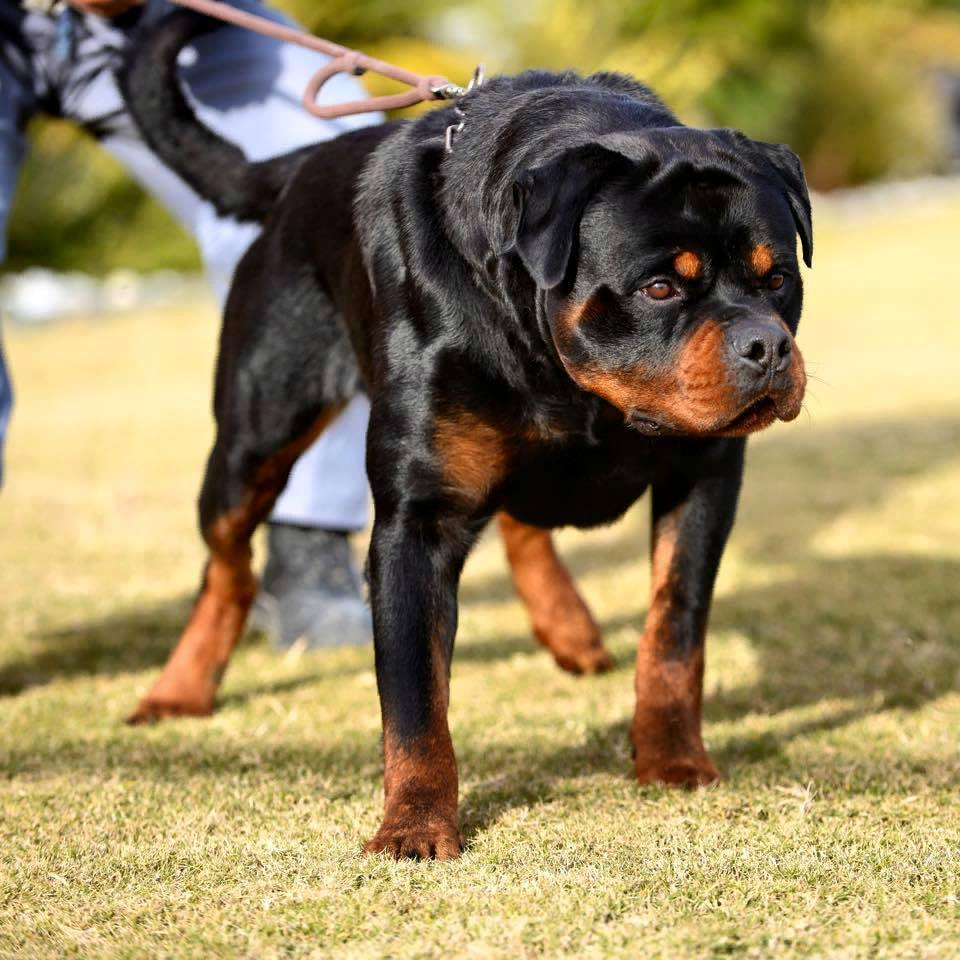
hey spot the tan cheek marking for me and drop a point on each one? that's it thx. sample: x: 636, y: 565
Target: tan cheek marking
x: 696, y: 395
x: 688, y: 265
x: 761, y: 260
x: 622, y: 390
x: 567, y: 321
x: 576, y: 315
x: 708, y: 395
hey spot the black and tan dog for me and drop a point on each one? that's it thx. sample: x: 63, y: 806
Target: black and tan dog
x: 582, y: 300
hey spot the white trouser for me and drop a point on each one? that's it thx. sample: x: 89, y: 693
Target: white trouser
x: 247, y: 88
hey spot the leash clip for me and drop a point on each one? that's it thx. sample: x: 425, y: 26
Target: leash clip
x: 449, y: 91
x: 475, y: 81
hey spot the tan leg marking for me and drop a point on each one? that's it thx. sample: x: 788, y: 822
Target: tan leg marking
x: 666, y: 726
x: 561, y: 620
x: 197, y: 664
x: 421, y: 784
x: 420, y: 819
x: 192, y: 675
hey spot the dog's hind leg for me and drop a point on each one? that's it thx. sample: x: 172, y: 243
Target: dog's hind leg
x: 228, y: 517
x: 561, y: 620
x: 284, y: 372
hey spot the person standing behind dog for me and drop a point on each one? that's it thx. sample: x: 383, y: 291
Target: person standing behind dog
x: 61, y: 62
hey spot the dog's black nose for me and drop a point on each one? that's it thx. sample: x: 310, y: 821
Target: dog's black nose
x: 763, y: 347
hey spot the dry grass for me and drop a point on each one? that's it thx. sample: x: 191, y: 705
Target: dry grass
x: 832, y: 708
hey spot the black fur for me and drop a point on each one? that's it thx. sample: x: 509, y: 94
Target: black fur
x: 501, y: 306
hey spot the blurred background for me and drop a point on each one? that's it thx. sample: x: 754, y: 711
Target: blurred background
x: 863, y: 90
x: 833, y: 667
x: 834, y: 650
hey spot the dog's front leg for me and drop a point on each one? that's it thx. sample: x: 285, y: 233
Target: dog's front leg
x: 415, y: 562
x: 691, y: 519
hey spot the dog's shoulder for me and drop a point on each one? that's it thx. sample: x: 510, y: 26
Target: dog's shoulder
x: 413, y: 186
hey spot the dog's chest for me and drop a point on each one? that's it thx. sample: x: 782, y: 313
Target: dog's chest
x: 578, y: 485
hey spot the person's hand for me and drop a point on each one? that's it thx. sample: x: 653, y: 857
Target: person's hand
x: 103, y: 8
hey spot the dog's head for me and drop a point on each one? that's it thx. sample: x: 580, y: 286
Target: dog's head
x: 667, y: 260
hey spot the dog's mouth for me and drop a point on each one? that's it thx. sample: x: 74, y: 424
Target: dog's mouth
x: 645, y: 424
x: 761, y: 413
x: 758, y: 415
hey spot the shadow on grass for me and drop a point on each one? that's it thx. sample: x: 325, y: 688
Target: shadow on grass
x: 850, y: 627
x: 530, y: 780
x: 141, y: 639
x: 165, y: 760
x: 131, y: 641
x: 122, y: 642
x: 880, y: 626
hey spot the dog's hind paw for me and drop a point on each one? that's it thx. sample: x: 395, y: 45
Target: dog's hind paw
x: 150, y: 710
x: 583, y: 659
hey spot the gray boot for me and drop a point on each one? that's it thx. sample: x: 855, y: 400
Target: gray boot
x: 310, y: 590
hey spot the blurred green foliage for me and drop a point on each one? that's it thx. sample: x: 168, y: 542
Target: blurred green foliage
x: 77, y: 209
x: 849, y: 84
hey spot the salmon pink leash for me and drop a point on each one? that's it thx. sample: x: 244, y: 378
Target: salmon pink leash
x: 344, y: 61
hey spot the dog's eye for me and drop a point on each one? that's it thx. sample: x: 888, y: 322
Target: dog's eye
x: 660, y: 290
x: 776, y: 280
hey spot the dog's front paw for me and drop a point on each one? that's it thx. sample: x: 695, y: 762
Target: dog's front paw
x: 690, y: 772
x: 412, y: 838
x: 668, y: 750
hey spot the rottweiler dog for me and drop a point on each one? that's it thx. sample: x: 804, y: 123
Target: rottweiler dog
x: 581, y: 300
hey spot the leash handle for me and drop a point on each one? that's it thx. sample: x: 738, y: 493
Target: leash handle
x: 344, y: 61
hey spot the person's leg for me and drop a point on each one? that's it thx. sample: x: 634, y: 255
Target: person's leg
x: 309, y: 587
x: 248, y: 88
x: 327, y: 488
x: 6, y: 403
x: 15, y: 105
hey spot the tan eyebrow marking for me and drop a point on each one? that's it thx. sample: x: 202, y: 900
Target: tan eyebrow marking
x: 688, y: 265
x: 761, y: 259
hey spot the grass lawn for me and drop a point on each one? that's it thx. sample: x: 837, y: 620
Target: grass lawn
x: 832, y: 707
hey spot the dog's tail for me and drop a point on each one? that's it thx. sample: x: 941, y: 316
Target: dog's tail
x: 216, y: 169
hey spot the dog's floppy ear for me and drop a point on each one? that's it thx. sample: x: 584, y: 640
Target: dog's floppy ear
x: 787, y: 166
x: 548, y: 202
